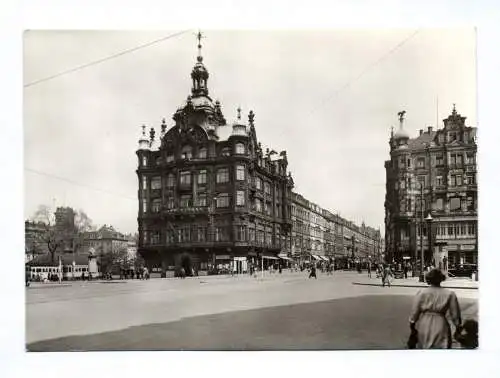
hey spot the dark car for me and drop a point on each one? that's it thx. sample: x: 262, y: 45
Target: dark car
x: 463, y: 270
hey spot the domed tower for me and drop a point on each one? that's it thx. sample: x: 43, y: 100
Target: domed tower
x: 401, y: 136
x: 239, y: 127
x: 199, y: 74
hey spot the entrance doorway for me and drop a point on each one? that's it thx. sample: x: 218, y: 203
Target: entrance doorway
x: 187, y: 264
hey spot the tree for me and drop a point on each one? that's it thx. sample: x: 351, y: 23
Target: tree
x: 83, y: 224
x: 50, y: 236
x: 112, y: 259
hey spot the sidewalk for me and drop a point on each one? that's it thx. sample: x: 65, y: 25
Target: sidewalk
x: 450, y: 283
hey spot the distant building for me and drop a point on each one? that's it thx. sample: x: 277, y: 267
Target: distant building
x: 433, y: 174
x: 317, y: 234
x: 105, y: 240
x: 34, y: 242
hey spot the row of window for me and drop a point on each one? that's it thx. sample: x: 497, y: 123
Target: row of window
x: 455, y: 180
x: 455, y: 159
x: 454, y: 204
x: 187, y: 153
x: 185, y: 234
x: 185, y: 201
x: 450, y: 229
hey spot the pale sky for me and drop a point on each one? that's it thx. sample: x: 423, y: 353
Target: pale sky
x: 328, y: 97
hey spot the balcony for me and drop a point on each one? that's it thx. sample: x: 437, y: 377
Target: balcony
x: 187, y: 210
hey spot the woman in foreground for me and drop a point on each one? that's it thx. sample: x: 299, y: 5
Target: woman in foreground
x: 429, y: 311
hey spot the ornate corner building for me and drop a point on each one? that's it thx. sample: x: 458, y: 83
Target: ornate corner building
x: 208, y: 193
x: 431, y: 186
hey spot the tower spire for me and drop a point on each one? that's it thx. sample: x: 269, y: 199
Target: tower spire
x: 199, y: 36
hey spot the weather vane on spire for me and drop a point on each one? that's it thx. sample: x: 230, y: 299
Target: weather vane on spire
x: 199, y: 36
x: 239, y: 112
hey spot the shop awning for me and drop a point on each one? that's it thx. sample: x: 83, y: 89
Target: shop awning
x: 285, y: 258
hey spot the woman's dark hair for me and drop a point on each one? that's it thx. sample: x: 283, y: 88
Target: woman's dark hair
x: 435, y: 277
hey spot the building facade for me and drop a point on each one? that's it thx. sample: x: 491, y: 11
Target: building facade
x: 317, y: 234
x: 210, y: 197
x: 431, y: 194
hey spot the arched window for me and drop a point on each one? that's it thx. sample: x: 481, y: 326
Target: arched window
x: 240, y: 148
x: 202, y: 153
x: 187, y: 152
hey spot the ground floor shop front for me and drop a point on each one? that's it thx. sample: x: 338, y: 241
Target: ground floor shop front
x: 210, y: 261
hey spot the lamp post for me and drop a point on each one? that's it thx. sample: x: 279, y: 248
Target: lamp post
x: 429, y: 220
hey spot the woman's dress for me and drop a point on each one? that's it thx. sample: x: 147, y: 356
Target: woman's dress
x: 429, y: 311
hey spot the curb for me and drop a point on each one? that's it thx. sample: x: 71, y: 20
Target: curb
x: 417, y: 286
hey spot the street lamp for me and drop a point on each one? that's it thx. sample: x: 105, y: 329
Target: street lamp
x: 428, y: 220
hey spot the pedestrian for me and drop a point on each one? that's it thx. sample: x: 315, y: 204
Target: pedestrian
x: 386, y: 276
x: 369, y: 268
x: 428, y: 315
x: 313, y: 272
x: 405, y: 270
x: 468, y: 335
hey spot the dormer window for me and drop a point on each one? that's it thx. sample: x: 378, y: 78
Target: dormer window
x: 239, y: 148
x: 144, y: 161
x: 202, y: 153
x: 225, y: 152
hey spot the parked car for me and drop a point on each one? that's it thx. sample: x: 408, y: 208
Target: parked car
x: 463, y: 270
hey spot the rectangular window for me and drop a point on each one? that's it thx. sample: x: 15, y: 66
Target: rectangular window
x: 156, y: 205
x: 421, y: 181
x: 439, y: 180
x: 459, y: 160
x: 202, y: 177
x: 251, y: 234
x: 267, y: 188
x: 185, y: 234
x: 222, y: 175
x: 459, y: 180
x: 470, y: 158
x: 471, y: 179
x: 453, y: 159
x: 144, y: 161
x: 156, y: 182
x: 170, y: 180
x: 455, y: 203
x: 144, y: 182
x: 240, y: 148
x: 258, y: 183
x: 185, y: 178
x: 240, y: 173
x: 144, y: 205
x: 470, y: 203
x: 463, y: 228
x: 421, y: 162
x: 451, y: 229
x: 472, y: 229
x: 267, y: 208
x: 201, y: 200
x: 453, y: 180
x: 240, y: 234
x: 439, y: 160
x: 439, y: 204
x: 223, y: 200
x: 155, y: 237
x: 169, y: 203
x: 185, y: 201
x: 258, y: 205
x: 201, y: 234
x: 240, y: 198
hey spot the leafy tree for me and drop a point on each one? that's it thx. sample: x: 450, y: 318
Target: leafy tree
x: 112, y: 259
x: 83, y: 224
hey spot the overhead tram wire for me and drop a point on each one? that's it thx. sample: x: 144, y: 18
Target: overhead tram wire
x: 361, y: 74
x: 79, y: 184
x: 106, y: 58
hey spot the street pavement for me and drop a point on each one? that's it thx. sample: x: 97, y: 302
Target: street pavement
x: 285, y: 312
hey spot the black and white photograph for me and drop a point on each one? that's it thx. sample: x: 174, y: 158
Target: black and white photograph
x: 251, y: 190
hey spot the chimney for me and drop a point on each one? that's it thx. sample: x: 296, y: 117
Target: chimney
x: 421, y: 131
x: 429, y: 129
